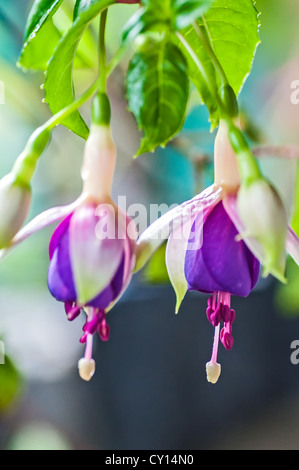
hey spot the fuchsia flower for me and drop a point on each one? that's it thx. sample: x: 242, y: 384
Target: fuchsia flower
x: 210, y: 250
x: 87, y: 272
x: 93, y: 249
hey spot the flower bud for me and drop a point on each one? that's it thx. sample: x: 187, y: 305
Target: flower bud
x: 265, y: 222
x: 15, y: 200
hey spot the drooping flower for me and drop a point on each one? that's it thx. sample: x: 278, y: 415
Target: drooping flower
x: 89, y: 271
x: 93, y: 249
x: 211, y: 250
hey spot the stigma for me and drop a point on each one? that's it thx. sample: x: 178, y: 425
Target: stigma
x: 95, y: 321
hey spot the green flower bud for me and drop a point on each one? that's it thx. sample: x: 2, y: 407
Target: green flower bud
x: 265, y: 220
x: 15, y: 201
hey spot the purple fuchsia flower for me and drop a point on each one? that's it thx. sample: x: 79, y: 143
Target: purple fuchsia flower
x: 93, y: 249
x: 211, y: 250
x: 89, y: 271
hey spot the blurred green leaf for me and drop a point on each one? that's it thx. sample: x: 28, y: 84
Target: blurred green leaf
x: 40, y: 12
x: 59, y: 87
x: 157, y: 91
x: 40, y: 36
x: 185, y: 12
x: 10, y: 384
x: 286, y: 296
x: 36, y: 54
x: 233, y: 30
x: 162, y: 15
x: 295, y: 221
x: 155, y: 271
x: 231, y: 27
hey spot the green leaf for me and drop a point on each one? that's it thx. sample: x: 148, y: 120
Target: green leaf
x: 164, y: 15
x: 185, y: 12
x: 155, y: 271
x: 10, y: 384
x: 157, y: 91
x: 41, y: 36
x: 36, y: 53
x: 232, y: 28
x: 59, y: 89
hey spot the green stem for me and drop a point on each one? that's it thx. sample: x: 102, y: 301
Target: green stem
x: 65, y: 112
x: 210, y: 51
x: 227, y: 98
x: 102, y: 52
x: 25, y: 164
x: 200, y: 66
x: 249, y: 168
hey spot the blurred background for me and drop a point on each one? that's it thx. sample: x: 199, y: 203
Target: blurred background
x: 150, y: 389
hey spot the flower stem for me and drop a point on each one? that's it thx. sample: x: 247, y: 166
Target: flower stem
x: 199, y: 64
x: 227, y: 105
x: 209, y: 49
x: 102, y: 52
x: 25, y: 164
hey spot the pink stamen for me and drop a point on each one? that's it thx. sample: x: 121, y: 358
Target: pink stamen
x: 219, y: 310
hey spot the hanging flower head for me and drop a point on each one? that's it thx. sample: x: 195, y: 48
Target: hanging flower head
x: 216, y: 243
x: 92, y: 251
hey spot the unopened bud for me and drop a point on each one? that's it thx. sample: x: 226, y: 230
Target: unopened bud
x: 15, y: 201
x: 86, y: 368
x: 264, y: 217
x: 213, y: 371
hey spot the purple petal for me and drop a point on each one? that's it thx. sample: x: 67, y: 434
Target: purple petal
x: 57, y: 234
x: 59, y: 289
x: 158, y: 231
x: 60, y: 276
x: 222, y: 263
